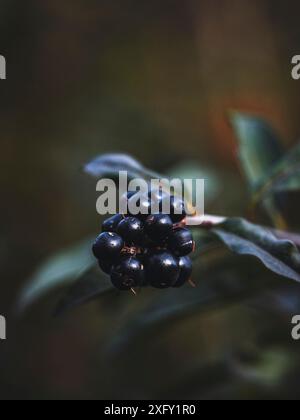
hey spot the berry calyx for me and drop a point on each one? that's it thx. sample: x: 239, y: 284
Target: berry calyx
x: 162, y: 270
x: 132, y: 230
x: 186, y: 269
x: 108, y: 245
x: 127, y: 273
x: 181, y: 242
x: 158, y: 227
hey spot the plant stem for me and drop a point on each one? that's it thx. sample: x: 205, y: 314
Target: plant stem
x: 205, y: 221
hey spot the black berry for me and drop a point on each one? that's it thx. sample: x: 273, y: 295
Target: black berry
x: 128, y: 273
x: 157, y: 195
x: 181, y: 242
x: 105, y: 265
x: 124, y: 201
x: 132, y: 230
x: 108, y: 245
x: 111, y: 224
x: 186, y: 269
x: 162, y: 270
x: 143, y: 204
x: 158, y: 227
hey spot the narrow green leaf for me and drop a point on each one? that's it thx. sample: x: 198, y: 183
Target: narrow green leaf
x: 91, y: 285
x: 222, y: 286
x: 60, y: 270
x: 284, y: 176
x: 193, y: 170
x: 244, y: 238
x: 259, y: 147
x: 109, y: 166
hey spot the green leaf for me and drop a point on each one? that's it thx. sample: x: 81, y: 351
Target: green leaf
x: 60, y: 270
x: 219, y: 287
x: 244, y: 238
x: 259, y: 147
x: 193, y: 170
x: 91, y: 285
x: 284, y: 176
x: 109, y: 166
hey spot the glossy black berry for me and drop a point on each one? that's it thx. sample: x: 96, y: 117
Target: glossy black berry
x: 108, y: 245
x: 131, y: 230
x: 127, y: 196
x: 181, y: 242
x: 147, y: 243
x: 105, y: 265
x: 158, y: 227
x: 128, y: 273
x: 162, y: 270
x: 157, y: 195
x: 130, y: 194
x: 124, y: 202
x: 143, y: 206
x: 111, y: 224
x: 177, y: 210
x: 186, y: 269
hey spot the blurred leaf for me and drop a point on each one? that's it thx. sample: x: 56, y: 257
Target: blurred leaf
x: 91, y: 285
x: 259, y: 147
x: 220, y: 286
x: 244, y: 238
x: 60, y: 270
x: 269, y: 369
x: 193, y: 170
x: 284, y: 176
x: 109, y: 166
x: 204, y: 241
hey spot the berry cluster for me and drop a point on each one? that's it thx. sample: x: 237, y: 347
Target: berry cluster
x: 147, y: 249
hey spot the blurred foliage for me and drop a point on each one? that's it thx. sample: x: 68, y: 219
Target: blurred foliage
x: 153, y: 79
x: 228, y: 284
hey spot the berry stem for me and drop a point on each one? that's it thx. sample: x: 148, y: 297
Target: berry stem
x: 192, y: 283
x: 205, y: 221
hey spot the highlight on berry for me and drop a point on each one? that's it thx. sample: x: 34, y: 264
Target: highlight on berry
x: 139, y: 250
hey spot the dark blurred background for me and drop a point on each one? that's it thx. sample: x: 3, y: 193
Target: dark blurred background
x: 154, y: 79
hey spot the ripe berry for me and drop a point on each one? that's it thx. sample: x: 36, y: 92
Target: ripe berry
x: 162, y: 270
x: 177, y: 210
x: 158, y: 227
x: 186, y: 268
x: 130, y: 194
x: 105, y: 265
x: 128, y: 273
x: 143, y: 204
x: 181, y: 242
x: 157, y: 195
x: 132, y: 230
x: 124, y: 202
x: 111, y: 224
x: 108, y: 245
